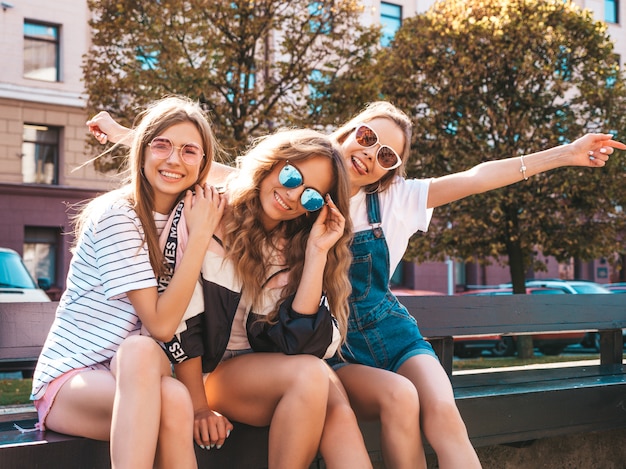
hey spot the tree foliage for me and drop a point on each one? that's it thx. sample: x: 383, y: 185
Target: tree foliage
x: 253, y: 64
x: 492, y: 79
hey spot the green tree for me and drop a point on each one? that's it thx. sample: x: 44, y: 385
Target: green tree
x: 492, y: 79
x: 254, y: 65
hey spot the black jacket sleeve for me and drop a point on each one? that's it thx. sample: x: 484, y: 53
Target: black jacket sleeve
x: 293, y: 333
x: 188, y: 343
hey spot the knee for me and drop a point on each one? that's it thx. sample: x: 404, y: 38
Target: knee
x: 309, y: 369
x: 310, y: 376
x: 445, y: 415
x: 176, y: 406
x: 140, y: 357
x: 401, y: 399
x: 339, y: 410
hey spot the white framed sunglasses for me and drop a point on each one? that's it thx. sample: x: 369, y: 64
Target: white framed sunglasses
x: 386, y: 157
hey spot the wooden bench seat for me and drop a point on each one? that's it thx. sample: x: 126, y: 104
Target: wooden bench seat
x: 512, y: 407
x: 246, y: 448
x: 518, y: 406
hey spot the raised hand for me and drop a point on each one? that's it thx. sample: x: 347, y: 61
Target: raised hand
x: 105, y: 129
x: 328, y: 227
x: 594, y: 149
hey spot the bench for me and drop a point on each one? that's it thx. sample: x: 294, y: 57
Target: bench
x: 512, y: 407
x: 518, y: 406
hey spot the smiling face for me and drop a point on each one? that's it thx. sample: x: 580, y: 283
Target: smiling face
x: 360, y: 162
x: 282, y: 203
x: 171, y: 176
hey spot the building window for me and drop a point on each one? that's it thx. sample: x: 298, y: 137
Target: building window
x: 390, y: 20
x: 611, y: 11
x: 245, y: 85
x: 321, y: 21
x: 318, y: 81
x: 40, y: 253
x: 40, y: 154
x: 41, y: 51
x: 148, y: 60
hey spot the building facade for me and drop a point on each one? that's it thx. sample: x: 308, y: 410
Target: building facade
x: 43, y: 136
x: 45, y: 160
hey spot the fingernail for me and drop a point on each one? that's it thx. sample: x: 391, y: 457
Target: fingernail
x: 202, y: 446
x: 227, y: 433
x: 218, y: 446
x: 212, y: 445
x: 602, y: 150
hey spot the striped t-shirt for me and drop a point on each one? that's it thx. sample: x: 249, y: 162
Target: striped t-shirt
x: 94, y: 314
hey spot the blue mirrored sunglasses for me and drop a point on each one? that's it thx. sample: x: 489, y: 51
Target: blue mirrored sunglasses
x: 291, y: 177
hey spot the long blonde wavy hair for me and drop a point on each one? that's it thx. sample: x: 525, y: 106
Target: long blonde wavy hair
x: 248, y: 243
x: 135, y: 188
x: 377, y: 110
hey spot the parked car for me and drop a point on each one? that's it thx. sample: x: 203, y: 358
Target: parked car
x: 548, y: 343
x: 575, y: 287
x: 16, y: 283
x: 616, y: 287
x: 464, y: 347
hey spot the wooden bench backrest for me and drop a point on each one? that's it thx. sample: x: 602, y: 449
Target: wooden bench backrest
x: 439, y: 316
x: 24, y: 327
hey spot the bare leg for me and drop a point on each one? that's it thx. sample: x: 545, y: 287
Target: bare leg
x: 342, y: 443
x: 380, y: 394
x: 84, y: 405
x: 287, y: 392
x: 175, y: 448
x: 125, y: 406
x: 441, y: 420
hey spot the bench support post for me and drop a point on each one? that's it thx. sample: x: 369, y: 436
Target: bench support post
x: 444, y: 348
x: 611, y: 346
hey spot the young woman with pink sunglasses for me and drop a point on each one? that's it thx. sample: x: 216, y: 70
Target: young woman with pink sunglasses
x: 96, y: 376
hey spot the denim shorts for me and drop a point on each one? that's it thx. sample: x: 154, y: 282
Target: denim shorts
x: 386, y: 343
x: 228, y: 354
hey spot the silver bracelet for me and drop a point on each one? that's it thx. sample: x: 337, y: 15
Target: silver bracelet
x: 523, y: 168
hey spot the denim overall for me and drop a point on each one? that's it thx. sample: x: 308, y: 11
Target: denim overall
x: 381, y: 332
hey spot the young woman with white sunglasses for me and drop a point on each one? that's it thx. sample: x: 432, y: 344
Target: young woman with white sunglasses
x: 389, y: 370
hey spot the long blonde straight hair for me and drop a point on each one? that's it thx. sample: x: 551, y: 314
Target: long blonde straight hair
x: 157, y: 117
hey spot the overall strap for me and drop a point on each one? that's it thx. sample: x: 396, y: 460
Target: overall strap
x: 373, y: 213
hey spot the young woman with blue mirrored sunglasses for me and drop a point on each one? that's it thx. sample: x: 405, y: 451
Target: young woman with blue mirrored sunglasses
x: 291, y: 177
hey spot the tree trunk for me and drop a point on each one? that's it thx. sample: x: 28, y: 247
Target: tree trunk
x: 525, y: 347
x: 524, y: 343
